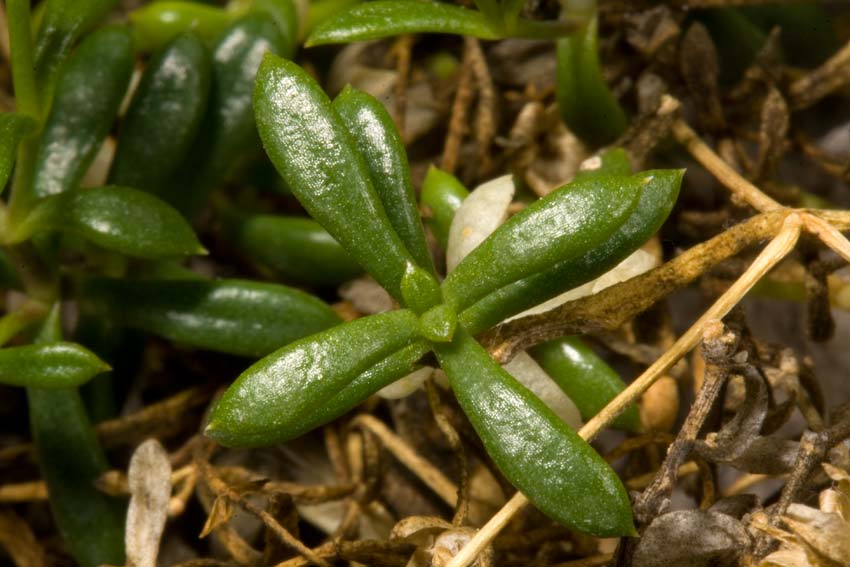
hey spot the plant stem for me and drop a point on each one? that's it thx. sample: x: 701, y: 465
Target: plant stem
x: 13, y: 323
x: 23, y: 69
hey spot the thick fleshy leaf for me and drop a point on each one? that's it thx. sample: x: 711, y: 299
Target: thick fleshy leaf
x: 586, y: 103
x: 13, y: 128
x: 564, y: 225
x: 89, y: 91
x: 585, y: 378
x: 382, y: 148
x: 231, y: 316
x: 311, y: 149
x: 655, y: 203
x: 52, y: 365
x: 71, y: 459
x: 158, y: 23
x: 272, y: 400
x: 294, y: 247
x: 545, y: 459
x: 442, y: 194
x: 285, y: 15
x: 228, y: 132
x: 116, y: 218
x: 163, y: 117
x: 385, y: 18
x: 368, y: 383
x: 64, y: 21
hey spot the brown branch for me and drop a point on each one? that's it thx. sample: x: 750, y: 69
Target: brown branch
x: 614, y: 306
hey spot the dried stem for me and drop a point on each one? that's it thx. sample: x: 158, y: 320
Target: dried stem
x: 740, y: 187
x: 427, y: 473
x: 614, y: 306
x: 832, y: 75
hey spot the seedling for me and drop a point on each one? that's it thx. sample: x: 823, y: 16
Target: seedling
x: 355, y: 184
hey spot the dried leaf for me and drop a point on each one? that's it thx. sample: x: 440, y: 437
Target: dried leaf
x: 149, y: 480
x: 222, y: 511
x: 828, y: 534
x: 691, y: 538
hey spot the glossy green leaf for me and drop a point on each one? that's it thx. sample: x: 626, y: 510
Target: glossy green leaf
x: 163, y: 117
x: 228, y: 132
x: 297, y: 248
x: 158, y: 23
x: 614, y: 161
x: 585, y: 378
x: 315, y: 155
x: 586, y: 103
x: 386, y: 18
x: 268, y: 402
x: 382, y: 148
x: 555, y: 468
x: 52, y: 365
x: 231, y: 316
x: 13, y: 128
x: 285, y: 15
x: 379, y: 375
x: 71, y: 459
x: 420, y: 290
x: 564, y: 225
x: 89, y: 90
x: 442, y: 195
x: 62, y: 23
x: 654, y: 205
x: 116, y: 218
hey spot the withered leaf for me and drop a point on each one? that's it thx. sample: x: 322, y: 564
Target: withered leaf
x: 149, y: 480
x: 691, y: 538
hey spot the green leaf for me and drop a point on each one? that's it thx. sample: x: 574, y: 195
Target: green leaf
x: 89, y: 90
x: 381, y: 374
x: 614, y: 161
x: 586, y: 103
x: 654, y: 205
x: 13, y: 128
x: 546, y: 460
x: 71, y: 459
x: 228, y: 133
x: 386, y: 18
x: 564, y: 225
x: 313, y: 152
x: 442, y: 195
x: 125, y: 220
x: 420, y: 289
x: 285, y: 15
x: 271, y: 400
x: 231, y: 316
x: 163, y: 117
x: 294, y: 247
x: 585, y: 378
x: 64, y: 21
x: 158, y: 23
x: 53, y: 365
x: 382, y: 148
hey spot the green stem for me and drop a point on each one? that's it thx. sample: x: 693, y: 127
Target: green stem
x: 23, y: 69
x: 38, y: 281
x: 13, y: 323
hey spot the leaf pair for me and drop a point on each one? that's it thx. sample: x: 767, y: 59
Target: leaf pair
x: 385, y: 18
x: 342, y: 162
